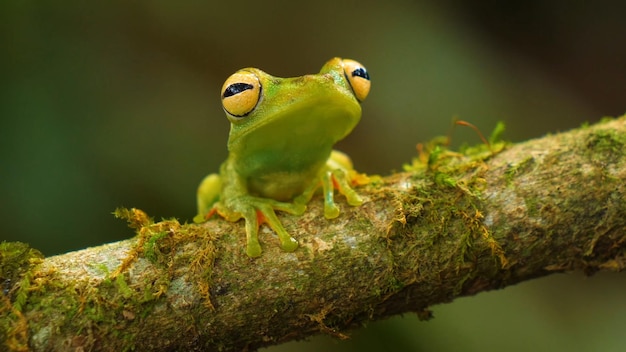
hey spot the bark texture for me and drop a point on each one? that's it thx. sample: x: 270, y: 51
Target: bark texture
x: 453, y: 225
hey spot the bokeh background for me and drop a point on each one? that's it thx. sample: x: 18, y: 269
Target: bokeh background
x: 107, y: 104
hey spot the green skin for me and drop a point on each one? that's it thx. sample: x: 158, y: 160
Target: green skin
x: 281, y: 152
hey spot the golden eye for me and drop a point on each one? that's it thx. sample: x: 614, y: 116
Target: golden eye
x: 358, y: 78
x: 241, y: 93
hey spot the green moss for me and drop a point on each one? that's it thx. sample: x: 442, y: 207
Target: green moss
x: 16, y: 262
x: 605, y: 145
x: 16, y: 258
x: 444, y: 204
x: 515, y: 170
x: 136, y: 218
x: 114, y: 302
x: 533, y: 206
x: 496, y: 135
x: 122, y: 286
x: 444, y: 179
x: 151, y: 249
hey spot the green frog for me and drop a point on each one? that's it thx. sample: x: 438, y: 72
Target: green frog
x: 280, y: 147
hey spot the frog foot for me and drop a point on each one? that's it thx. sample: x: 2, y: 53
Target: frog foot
x: 337, y: 179
x: 332, y: 179
x: 257, y: 211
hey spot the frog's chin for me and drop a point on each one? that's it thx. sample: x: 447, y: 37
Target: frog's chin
x: 300, y: 127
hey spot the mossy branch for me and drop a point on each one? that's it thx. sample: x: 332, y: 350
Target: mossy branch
x: 456, y: 225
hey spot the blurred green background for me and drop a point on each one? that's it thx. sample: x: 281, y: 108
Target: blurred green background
x: 116, y: 103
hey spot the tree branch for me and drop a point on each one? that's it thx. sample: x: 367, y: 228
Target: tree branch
x: 454, y: 225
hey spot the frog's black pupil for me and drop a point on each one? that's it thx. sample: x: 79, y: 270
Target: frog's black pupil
x: 361, y: 72
x: 236, y: 88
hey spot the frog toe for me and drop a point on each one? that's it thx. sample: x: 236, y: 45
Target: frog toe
x: 199, y: 219
x: 331, y: 210
x: 352, y: 197
x: 287, y: 242
x: 253, y: 249
x: 289, y: 245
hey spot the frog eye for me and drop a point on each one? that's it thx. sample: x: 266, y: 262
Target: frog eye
x: 358, y: 78
x: 241, y: 93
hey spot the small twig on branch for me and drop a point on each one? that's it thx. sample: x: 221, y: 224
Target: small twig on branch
x: 454, y: 225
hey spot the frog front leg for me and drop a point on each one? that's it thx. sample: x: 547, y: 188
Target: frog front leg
x: 255, y: 211
x: 339, y: 174
x: 231, y: 201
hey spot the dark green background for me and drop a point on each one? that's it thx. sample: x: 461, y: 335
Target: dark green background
x: 117, y: 103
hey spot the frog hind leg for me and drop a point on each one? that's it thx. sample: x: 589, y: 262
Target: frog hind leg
x: 207, y: 195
